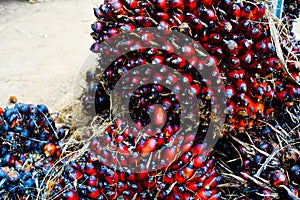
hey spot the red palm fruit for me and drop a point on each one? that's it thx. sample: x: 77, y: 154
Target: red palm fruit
x: 138, y: 11
x: 231, y: 47
x: 204, y: 36
x: 188, y: 17
x: 188, y: 51
x: 111, y: 194
x: 168, y: 131
x: 229, y: 91
x: 178, y: 15
x: 252, y: 81
x: 246, y: 58
x: 98, y: 27
x: 186, y: 195
x: 206, y: 3
x: 245, y: 25
x: 281, y: 96
x: 126, y: 27
x: 195, y: 89
x: 148, y: 22
x: 147, y: 38
x: 169, y: 154
x: 122, y: 148
x: 200, y: 149
x: 215, y: 38
x: 176, y: 4
x: 215, y: 196
x: 254, y: 67
x: 149, y: 182
x: 187, y: 146
x: 168, y: 177
x: 235, y: 10
x: 9, y: 159
x: 162, y: 16
x: 259, y: 108
x: 118, y: 8
x: 190, y: 5
x: 194, y: 186
x: 180, y: 176
x: 208, y: 15
x: 160, y: 139
x: 211, y: 182
x: 233, y: 75
x: 92, y: 181
x: 111, y: 177
x: 203, y: 194
x: 93, y: 192
x: 142, y: 175
x: 261, y: 10
x: 168, y: 47
x: 199, y: 161
x: 241, y: 86
x: 260, y: 47
x: 278, y: 178
x: 233, y: 62
x: 172, y: 196
x: 245, y: 45
x: 98, y: 13
x: 161, y: 4
x: 90, y: 169
x: 131, y: 4
x: 197, y: 25
x: 254, y: 33
x: 149, y: 145
x: 217, y: 52
x: 246, y: 12
x: 225, y: 27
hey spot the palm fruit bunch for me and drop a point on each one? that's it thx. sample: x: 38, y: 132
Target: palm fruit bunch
x: 89, y: 177
x: 264, y: 163
x: 238, y: 39
x: 29, y: 147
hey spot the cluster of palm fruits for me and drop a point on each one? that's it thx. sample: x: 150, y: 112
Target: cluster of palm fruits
x: 238, y: 39
x: 29, y: 147
x: 192, y: 176
x: 264, y: 163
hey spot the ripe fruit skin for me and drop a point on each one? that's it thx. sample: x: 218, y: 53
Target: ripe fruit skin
x: 278, y: 178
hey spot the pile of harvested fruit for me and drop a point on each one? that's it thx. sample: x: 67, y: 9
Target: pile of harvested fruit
x: 257, y: 156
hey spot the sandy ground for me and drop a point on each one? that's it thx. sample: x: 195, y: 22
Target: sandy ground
x: 43, y: 47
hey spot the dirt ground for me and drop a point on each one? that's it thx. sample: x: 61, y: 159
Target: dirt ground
x: 43, y: 46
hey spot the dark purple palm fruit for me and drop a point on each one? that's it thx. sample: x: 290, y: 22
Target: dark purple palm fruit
x: 30, y: 146
x: 290, y: 13
x: 263, y: 163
